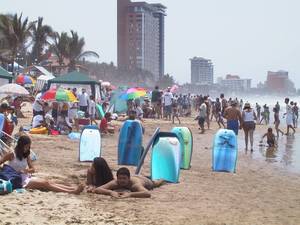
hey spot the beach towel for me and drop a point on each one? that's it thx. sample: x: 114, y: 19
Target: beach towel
x: 233, y: 125
x: 8, y: 173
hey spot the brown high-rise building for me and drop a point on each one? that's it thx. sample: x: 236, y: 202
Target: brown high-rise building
x: 141, y: 36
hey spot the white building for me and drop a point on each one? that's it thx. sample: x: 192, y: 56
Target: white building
x: 235, y: 83
x: 202, y: 71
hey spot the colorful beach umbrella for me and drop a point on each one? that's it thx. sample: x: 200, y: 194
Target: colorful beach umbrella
x: 61, y: 95
x: 24, y: 79
x: 133, y: 93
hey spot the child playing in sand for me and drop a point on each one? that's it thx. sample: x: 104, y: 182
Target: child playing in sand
x: 270, y: 138
x: 105, y: 126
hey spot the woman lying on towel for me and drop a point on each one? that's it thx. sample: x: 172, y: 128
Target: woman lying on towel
x: 21, y: 162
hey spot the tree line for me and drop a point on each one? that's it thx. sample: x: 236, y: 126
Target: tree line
x: 30, y: 42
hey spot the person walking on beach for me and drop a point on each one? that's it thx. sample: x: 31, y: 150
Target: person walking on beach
x: 296, y: 114
x: 277, y: 121
x: 202, y: 116
x: 155, y: 101
x: 258, y: 108
x: 289, y: 116
x: 167, y: 101
x: 249, y: 118
x: 224, y: 103
x: 234, y: 117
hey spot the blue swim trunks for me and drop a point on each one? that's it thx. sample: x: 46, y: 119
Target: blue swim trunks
x: 233, y: 125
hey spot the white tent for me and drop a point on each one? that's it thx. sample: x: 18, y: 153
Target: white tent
x: 42, y: 79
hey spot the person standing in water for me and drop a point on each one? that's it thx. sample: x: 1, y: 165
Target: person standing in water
x: 277, y: 121
x: 296, y: 114
x: 258, y: 107
x: 289, y: 116
x: 249, y: 118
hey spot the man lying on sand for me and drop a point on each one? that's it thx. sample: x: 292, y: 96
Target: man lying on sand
x: 138, y: 185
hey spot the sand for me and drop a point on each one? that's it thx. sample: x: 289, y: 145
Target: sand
x: 259, y: 193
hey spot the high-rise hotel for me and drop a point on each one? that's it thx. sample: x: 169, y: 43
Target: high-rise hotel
x: 141, y: 36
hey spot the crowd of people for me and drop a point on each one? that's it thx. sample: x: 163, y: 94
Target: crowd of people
x: 229, y: 113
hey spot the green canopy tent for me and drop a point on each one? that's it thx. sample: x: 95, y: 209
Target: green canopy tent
x: 78, y: 79
x: 4, y: 75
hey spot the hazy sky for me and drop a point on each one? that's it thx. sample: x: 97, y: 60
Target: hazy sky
x: 244, y: 37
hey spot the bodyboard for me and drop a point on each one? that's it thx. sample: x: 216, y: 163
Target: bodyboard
x: 225, y: 151
x: 90, y: 144
x: 166, y: 157
x: 130, y: 143
x: 186, y: 145
x: 100, y: 110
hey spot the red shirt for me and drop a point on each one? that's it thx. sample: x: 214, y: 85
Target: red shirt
x: 103, y: 125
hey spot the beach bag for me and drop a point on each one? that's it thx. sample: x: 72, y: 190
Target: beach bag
x: 9, y: 174
x: 5, y: 187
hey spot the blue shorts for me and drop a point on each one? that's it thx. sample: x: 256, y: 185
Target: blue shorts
x: 233, y: 125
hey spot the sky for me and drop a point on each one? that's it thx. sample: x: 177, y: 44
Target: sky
x: 241, y: 37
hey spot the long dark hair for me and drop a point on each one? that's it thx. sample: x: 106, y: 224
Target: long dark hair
x: 19, y: 149
x: 103, y: 173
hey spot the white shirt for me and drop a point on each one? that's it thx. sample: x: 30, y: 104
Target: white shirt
x: 92, y: 108
x: 37, y: 121
x: 167, y: 98
x: 83, y: 99
x: 203, y: 110
x: 36, y: 106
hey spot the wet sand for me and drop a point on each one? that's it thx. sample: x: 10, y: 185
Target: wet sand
x: 259, y: 193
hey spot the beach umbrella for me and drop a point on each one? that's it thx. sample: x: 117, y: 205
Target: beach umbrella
x: 133, y: 93
x: 13, y: 89
x: 24, y: 79
x: 61, y: 95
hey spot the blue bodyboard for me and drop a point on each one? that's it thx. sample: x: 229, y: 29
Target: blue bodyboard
x: 166, y: 157
x: 90, y: 144
x: 225, y: 150
x: 130, y: 143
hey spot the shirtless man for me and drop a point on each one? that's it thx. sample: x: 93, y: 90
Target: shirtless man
x: 138, y: 185
x: 233, y: 116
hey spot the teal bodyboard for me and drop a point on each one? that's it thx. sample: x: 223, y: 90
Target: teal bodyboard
x: 166, y: 157
x: 100, y: 110
x: 225, y: 151
x: 186, y: 145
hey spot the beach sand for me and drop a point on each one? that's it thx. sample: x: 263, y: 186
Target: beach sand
x: 259, y: 192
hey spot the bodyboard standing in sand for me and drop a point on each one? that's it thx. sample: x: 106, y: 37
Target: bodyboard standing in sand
x: 130, y: 143
x: 225, y: 151
x: 186, y: 145
x: 90, y: 144
x: 100, y: 110
x: 166, y: 157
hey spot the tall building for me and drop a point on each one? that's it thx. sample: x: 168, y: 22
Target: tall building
x: 141, y: 36
x: 235, y: 83
x: 202, y: 71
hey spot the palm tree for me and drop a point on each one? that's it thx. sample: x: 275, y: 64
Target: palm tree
x: 60, y: 46
x: 40, y: 35
x: 75, y: 50
x: 15, y: 32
